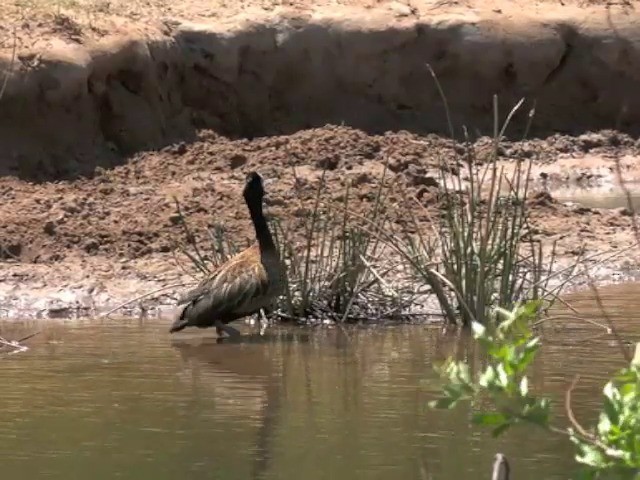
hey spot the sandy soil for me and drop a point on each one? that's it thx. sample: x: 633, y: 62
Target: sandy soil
x: 95, y: 241
x: 30, y: 24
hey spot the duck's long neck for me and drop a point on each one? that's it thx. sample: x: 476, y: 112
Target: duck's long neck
x: 263, y: 234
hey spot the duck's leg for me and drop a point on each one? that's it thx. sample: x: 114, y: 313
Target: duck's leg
x: 264, y: 321
x: 221, y: 327
x: 231, y: 331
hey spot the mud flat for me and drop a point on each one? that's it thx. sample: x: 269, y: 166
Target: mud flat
x: 103, y: 123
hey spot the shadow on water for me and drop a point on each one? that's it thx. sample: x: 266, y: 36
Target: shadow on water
x: 221, y: 354
x: 123, y: 399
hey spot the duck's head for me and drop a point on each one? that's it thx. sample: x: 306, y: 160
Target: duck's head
x: 253, y: 188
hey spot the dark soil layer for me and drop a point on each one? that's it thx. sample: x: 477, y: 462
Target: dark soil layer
x: 110, y: 237
x: 129, y: 212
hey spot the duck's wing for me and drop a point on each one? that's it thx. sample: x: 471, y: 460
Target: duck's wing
x: 198, y: 291
x: 207, y: 283
x: 231, y: 289
x: 238, y: 288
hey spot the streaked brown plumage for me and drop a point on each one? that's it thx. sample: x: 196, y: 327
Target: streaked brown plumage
x: 244, y: 284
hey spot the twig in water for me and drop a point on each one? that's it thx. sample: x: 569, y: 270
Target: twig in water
x: 29, y: 336
x: 606, y: 329
x: 612, y: 328
x: 16, y: 345
x: 140, y: 297
x: 572, y: 419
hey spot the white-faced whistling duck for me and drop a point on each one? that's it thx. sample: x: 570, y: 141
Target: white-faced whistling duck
x: 242, y: 286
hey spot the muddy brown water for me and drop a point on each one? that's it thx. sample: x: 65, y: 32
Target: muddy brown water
x: 123, y: 399
x: 613, y: 197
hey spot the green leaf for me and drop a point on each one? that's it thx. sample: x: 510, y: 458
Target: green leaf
x: 611, y: 392
x: 445, y: 403
x: 610, y: 411
x: 503, y: 312
x: 478, y: 329
x: 524, y: 386
x: 530, y: 309
x: 636, y: 356
x: 453, y: 390
x: 527, y: 359
x: 532, y: 344
x: 502, y: 376
x: 628, y: 390
x: 488, y: 377
x: 463, y: 373
x: 592, y: 456
x: 500, y: 430
x: 498, y: 352
x: 586, y: 474
x: 604, y: 424
x: 538, y: 412
x: 489, y: 419
x: 626, y: 375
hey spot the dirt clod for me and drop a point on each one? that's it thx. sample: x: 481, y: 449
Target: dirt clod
x: 49, y: 228
x: 91, y: 246
x: 237, y: 160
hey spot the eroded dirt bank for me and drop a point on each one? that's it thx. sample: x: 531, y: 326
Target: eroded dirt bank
x: 77, y: 99
x: 96, y: 242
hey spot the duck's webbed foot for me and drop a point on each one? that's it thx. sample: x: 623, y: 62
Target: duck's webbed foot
x: 221, y: 327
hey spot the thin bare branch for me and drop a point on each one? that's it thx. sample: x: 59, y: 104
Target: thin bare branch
x: 145, y: 295
x: 572, y: 419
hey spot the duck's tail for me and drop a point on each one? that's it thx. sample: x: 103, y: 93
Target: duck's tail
x: 179, y: 324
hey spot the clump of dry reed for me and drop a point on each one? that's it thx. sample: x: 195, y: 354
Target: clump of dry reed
x: 481, y: 250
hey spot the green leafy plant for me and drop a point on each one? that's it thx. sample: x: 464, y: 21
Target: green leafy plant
x: 511, y: 348
x: 611, y: 450
x: 614, y: 447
